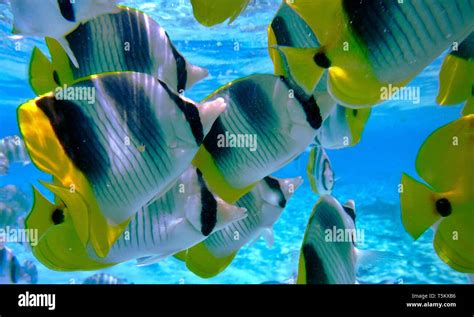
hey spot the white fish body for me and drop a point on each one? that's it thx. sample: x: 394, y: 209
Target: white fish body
x: 181, y: 218
x: 56, y: 18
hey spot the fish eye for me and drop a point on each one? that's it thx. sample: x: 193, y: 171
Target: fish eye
x: 322, y: 60
x: 355, y: 112
x: 57, y: 216
x: 443, y: 207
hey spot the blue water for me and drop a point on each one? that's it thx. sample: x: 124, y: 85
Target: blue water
x: 368, y: 173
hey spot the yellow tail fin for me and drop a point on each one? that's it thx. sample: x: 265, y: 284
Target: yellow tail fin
x: 418, y: 206
x: 204, y: 264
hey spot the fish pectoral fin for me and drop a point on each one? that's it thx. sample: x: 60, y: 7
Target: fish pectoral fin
x: 417, y: 207
x: 302, y: 67
x: 268, y: 235
x: 203, y: 263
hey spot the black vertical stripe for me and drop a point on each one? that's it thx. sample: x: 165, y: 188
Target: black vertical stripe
x: 315, y: 273
x: 181, y: 71
x: 275, y: 186
x: 282, y: 34
x: 75, y: 131
x: 191, y: 113
x: 209, y: 207
x: 67, y: 10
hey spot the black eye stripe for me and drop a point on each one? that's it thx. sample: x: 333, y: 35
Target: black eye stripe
x: 57, y: 216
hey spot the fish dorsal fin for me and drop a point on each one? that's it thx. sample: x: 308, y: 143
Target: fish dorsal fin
x: 455, y: 80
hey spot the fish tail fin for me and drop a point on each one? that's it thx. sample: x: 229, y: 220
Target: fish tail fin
x: 455, y: 80
x: 301, y: 66
x: 203, y: 263
x: 41, y: 73
x: 416, y: 200
x: 195, y: 74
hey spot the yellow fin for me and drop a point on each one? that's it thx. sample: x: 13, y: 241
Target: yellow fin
x: 212, y: 12
x: 357, y: 119
x: 454, y: 238
x: 39, y: 217
x: 60, y: 61
x: 59, y: 247
x: 203, y: 263
x: 456, y: 80
x: 453, y: 144
x: 41, y: 73
x: 301, y: 279
x: 47, y: 154
x: 310, y: 170
x: 302, y: 67
x: 418, y: 206
x: 73, y: 201
x: 181, y: 255
x: 215, y: 180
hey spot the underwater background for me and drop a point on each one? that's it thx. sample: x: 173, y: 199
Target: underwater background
x: 369, y: 173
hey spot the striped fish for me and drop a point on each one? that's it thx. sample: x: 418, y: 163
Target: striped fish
x: 367, y: 45
x: 125, y: 41
x: 181, y: 218
x: 13, y: 148
x: 289, y: 29
x: 117, y: 155
x: 323, y: 261
x: 264, y: 204
x: 104, y: 278
x: 56, y: 18
x: 320, y: 173
x: 262, y: 109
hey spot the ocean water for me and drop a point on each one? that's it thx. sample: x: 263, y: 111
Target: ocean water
x: 369, y: 173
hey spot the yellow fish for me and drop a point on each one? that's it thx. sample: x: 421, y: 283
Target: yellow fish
x: 212, y: 12
x: 444, y: 162
x: 456, y: 78
x: 368, y: 45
